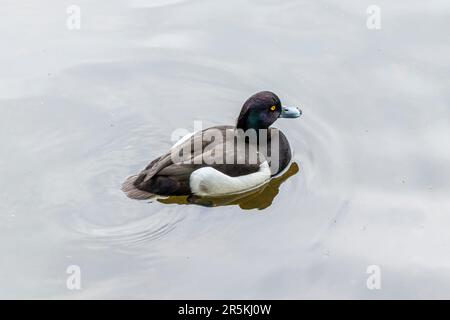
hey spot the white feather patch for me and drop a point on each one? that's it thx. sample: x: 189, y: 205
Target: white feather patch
x: 208, y: 181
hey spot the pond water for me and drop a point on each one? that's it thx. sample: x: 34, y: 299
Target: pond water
x: 83, y: 109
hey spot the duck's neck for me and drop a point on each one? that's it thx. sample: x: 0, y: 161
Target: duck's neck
x: 259, y: 133
x: 251, y: 121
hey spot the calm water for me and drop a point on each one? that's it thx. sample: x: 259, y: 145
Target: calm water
x: 83, y: 109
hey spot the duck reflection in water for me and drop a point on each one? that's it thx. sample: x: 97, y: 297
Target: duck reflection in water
x: 194, y: 168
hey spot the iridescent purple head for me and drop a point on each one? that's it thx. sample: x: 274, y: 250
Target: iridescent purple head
x: 262, y: 109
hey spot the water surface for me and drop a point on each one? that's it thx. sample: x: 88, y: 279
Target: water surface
x: 83, y: 109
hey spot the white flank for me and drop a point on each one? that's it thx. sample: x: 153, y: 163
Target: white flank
x: 208, y: 181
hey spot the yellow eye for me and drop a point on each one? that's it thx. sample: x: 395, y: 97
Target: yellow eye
x: 272, y: 108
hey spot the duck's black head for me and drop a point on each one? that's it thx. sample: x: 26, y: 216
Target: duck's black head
x: 262, y: 109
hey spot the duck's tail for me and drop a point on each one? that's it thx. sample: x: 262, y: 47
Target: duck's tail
x: 132, y: 192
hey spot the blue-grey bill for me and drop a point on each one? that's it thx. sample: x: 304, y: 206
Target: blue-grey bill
x: 290, y: 112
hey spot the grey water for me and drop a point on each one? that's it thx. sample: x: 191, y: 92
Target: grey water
x: 82, y: 109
